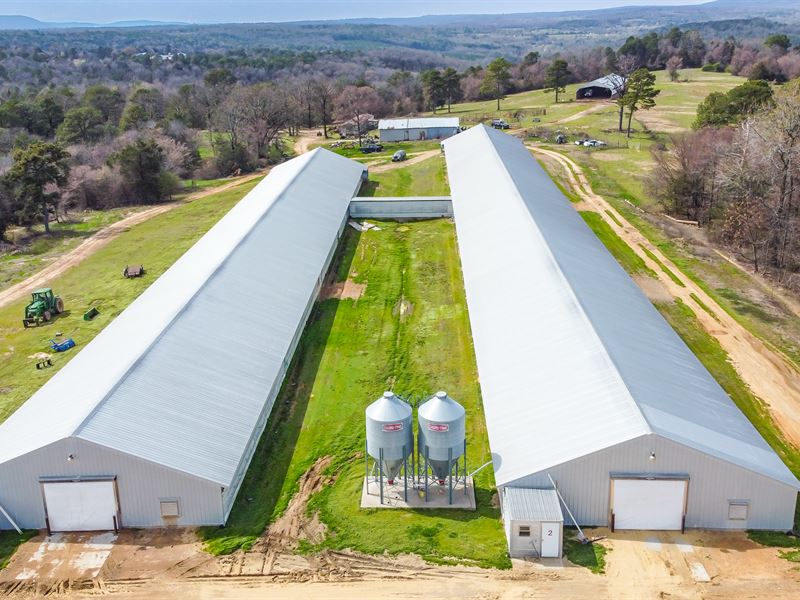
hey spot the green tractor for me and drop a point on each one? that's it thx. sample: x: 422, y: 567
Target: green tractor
x: 44, y: 304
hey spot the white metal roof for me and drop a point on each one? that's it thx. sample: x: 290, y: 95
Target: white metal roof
x: 572, y: 357
x: 528, y: 504
x: 612, y: 81
x: 182, y: 375
x: 419, y: 123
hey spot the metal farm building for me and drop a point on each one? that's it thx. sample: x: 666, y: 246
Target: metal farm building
x: 608, y: 87
x: 582, y: 379
x: 155, y: 421
x: 428, y: 128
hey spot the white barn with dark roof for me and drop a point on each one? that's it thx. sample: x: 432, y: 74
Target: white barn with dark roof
x: 581, y: 378
x: 155, y: 421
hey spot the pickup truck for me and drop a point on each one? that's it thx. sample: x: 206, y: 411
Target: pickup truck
x: 370, y: 148
x: 500, y: 124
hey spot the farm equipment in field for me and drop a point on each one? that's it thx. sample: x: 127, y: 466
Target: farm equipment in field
x: 62, y: 345
x: 44, y: 304
x: 131, y: 271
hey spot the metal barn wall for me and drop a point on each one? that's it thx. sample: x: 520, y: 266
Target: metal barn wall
x: 414, y: 134
x: 141, y: 486
x: 398, y: 208
x: 585, y: 485
x: 229, y: 495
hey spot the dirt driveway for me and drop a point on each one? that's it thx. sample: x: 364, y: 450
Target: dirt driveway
x: 93, y: 243
x: 170, y: 564
x: 768, y: 373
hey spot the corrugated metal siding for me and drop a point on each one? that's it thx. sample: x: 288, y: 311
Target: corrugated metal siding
x: 198, y: 399
x: 393, y: 208
x: 531, y: 504
x: 420, y: 123
x: 141, y: 485
x: 585, y: 485
x: 417, y: 134
x: 570, y: 352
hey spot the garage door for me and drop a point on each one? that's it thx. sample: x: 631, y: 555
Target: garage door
x: 80, y: 505
x: 648, y: 503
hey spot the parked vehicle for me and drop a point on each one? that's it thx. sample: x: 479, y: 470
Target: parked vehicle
x: 43, y: 306
x: 561, y: 139
x: 500, y: 124
x: 399, y: 156
x: 594, y: 143
x: 370, y: 148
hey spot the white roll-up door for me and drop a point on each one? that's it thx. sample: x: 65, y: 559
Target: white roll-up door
x: 80, y: 505
x: 655, y: 504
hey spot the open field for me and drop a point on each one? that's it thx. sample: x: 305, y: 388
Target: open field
x: 395, y: 318
x: 97, y: 281
x: 425, y: 178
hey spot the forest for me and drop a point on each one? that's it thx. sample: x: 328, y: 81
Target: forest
x: 98, y: 120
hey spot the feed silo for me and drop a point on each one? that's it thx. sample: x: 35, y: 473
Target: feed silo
x: 441, y: 441
x: 390, y: 439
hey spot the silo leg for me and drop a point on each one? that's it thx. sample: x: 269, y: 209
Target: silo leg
x: 405, y: 474
x: 450, y: 475
x: 380, y: 470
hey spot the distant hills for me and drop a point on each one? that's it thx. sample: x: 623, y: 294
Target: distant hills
x: 655, y: 16
x: 20, y: 22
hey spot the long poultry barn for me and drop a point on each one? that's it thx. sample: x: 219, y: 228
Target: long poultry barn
x: 155, y: 421
x: 583, y: 381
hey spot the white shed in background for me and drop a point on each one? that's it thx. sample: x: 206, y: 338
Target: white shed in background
x: 533, y: 521
x: 429, y: 128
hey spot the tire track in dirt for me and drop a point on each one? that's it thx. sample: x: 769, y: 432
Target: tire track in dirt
x: 769, y: 374
x: 97, y: 241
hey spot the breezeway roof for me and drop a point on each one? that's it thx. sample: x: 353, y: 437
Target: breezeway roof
x: 572, y: 357
x: 419, y: 123
x: 181, y: 377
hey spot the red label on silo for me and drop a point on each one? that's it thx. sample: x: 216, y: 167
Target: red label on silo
x: 438, y: 427
x: 393, y: 427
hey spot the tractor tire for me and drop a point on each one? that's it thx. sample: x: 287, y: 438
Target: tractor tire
x: 59, y: 306
x: 47, y: 316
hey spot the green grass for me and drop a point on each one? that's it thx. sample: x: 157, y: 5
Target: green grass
x: 426, y: 178
x: 33, y: 250
x: 389, y: 148
x: 704, y: 306
x: 591, y: 556
x: 716, y: 360
x: 97, y: 281
x: 350, y: 352
x: 670, y: 273
x: 10, y: 541
x: 629, y: 260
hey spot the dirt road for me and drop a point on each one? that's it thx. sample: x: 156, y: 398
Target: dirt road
x: 768, y: 373
x: 640, y: 565
x: 584, y: 113
x: 413, y: 160
x: 92, y: 244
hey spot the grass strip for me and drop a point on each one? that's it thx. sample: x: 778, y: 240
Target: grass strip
x: 662, y: 266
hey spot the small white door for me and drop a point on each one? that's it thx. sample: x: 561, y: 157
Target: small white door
x: 551, y: 540
x: 655, y: 504
x: 80, y: 505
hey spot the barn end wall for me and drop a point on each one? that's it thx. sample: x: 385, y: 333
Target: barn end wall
x: 585, y: 485
x: 141, y: 486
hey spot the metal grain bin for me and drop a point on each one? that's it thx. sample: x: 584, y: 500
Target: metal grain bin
x: 389, y: 430
x: 442, y: 432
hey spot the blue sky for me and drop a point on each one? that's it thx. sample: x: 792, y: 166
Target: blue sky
x: 207, y: 11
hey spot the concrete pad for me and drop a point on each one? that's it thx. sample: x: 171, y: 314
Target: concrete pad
x: 699, y: 573
x: 437, y: 495
x: 653, y: 544
x: 684, y: 546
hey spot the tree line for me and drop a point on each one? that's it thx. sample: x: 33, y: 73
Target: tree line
x: 176, y: 115
x: 738, y: 175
